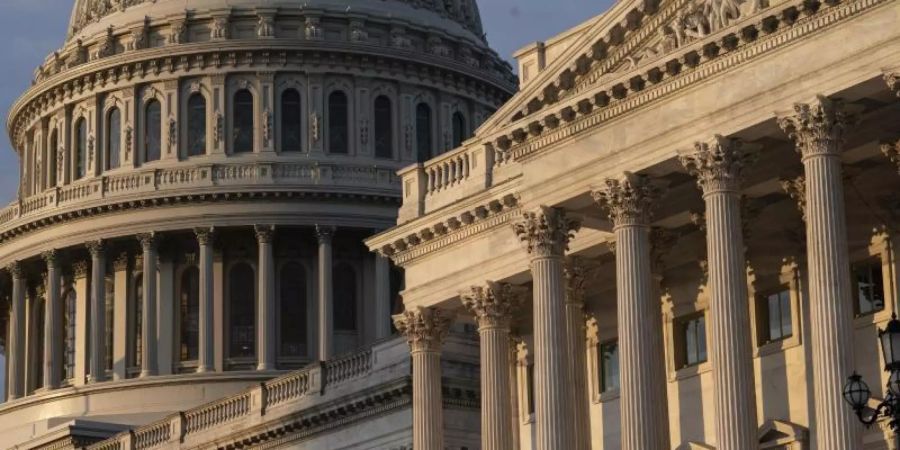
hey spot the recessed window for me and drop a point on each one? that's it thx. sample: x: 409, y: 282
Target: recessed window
x: 344, y: 298
x: 242, y: 318
x: 80, y: 149
x: 691, y: 332
x: 868, y: 286
x: 291, y: 130
x: 196, y: 125
x: 189, y: 315
x: 51, y: 166
x: 338, y: 123
x: 529, y: 385
x: 293, y: 310
x: 459, y: 129
x: 113, y: 139
x: 608, y: 357
x: 384, y: 128
x: 424, y: 144
x: 242, y: 139
x: 152, y: 131
x: 775, y: 312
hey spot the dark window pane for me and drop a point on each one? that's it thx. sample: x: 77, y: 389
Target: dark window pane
x: 138, y: 319
x: 787, y: 328
x: 113, y: 139
x: 69, y: 338
x: 80, y: 149
x: 423, y: 132
x: 459, y: 129
x: 39, y: 344
x: 529, y: 380
x: 196, y: 125
x: 243, y: 122
x: 189, y: 314
x: 869, y: 287
x: 338, y: 123
x: 384, y: 124
x: 609, y: 366
x: 54, y: 146
x: 153, y: 131
x: 694, y: 340
x: 242, y: 320
x: 293, y: 310
x: 291, y: 117
x: 344, y: 298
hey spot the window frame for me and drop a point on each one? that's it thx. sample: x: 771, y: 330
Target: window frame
x: 145, y: 130
x: 239, y: 362
x: 378, y: 128
x: 233, y: 119
x: 188, y: 136
x: 110, y: 139
x: 329, y: 126
x: 282, y: 120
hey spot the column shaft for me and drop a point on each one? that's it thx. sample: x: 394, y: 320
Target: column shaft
x: 17, y: 334
x: 265, y: 325
x: 382, y: 297
x: 206, y: 356
x: 148, y: 309
x: 52, y: 325
x: 326, y: 293
x: 576, y: 344
x: 97, y: 364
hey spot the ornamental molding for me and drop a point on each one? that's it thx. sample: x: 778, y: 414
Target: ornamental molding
x: 494, y: 304
x: 630, y: 200
x: 718, y: 164
x: 818, y: 128
x: 425, y: 328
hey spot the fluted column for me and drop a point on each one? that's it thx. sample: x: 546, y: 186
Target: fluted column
x: 493, y: 305
x: 644, y: 417
x: 265, y: 326
x: 205, y: 238
x: 17, y: 333
x: 52, y: 324
x: 818, y: 131
x: 576, y: 274
x: 325, y: 235
x: 546, y: 234
x: 148, y: 309
x: 718, y: 164
x: 425, y: 330
x: 98, y: 311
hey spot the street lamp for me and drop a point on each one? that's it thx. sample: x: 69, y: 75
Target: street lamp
x: 857, y: 393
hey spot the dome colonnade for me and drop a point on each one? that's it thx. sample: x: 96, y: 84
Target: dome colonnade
x: 196, y: 184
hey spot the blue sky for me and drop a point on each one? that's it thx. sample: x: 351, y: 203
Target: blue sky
x: 31, y: 29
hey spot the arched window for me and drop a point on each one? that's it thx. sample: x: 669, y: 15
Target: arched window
x: 51, y: 158
x: 384, y: 128
x: 459, y: 129
x: 241, y: 319
x: 291, y: 120
x: 80, y: 157
x: 293, y: 310
x: 196, y: 125
x: 69, y: 334
x: 338, y: 123
x: 344, y: 298
x: 113, y: 139
x: 152, y: 131
x: 243, y: 122
x: 189, y: 315
x: 424, y: 144
x: 137, y: 319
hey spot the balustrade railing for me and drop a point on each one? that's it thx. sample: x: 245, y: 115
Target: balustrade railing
x: 287, y: 388
x: 347, y: 367
x: 152, y: 435
x: 217, y: 413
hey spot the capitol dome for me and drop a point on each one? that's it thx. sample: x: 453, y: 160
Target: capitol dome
x: 197, y: 178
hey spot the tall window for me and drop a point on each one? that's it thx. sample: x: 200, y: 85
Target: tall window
x: 109, y: 312
x: 196, y: 125
x: 243, y: 122
x: 293, y: 310
x: 384, y: 128
x: 291, y: 122
x: 39, y: 343
x: 693, y: 340
x: 152, y: 131
x: 338, y: 123
x: 459, y: 129
x: 51, y: 158
x: 242, y: 303
x: 138, y: 321
x: 608, y: 352
x: 868, y: 286
x: 775, y: 309
x: 80, y: 149
x: 529, y: 384
x: 69, y: 334
x: 344, y: 298
x: 113, y: 139
x: 424, y: 144
x: 189, y: 315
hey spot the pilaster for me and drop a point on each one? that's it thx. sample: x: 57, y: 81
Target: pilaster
x: 324, y: 235
x: 52, y: 322
x: 205, y: 238
x: 265, y: 235
x: 577, y: 273
x: 97, y: 366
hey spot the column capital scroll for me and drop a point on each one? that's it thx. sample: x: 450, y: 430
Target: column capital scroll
x: 718, y: 163
x: 50, y: 257
x: 264, y: 233
x: 425, y: 328
x: 819, y: 127
x: 630, y: 200
x: 205, y: 236
x: 15, y: 270
x: 546, y: 232
x: 493, y: 303
x: 325, y: 233
x: 148, y: 240
x: 95, y: 248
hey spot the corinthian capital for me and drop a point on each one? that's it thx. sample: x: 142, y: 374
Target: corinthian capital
x: 205, y: 236
x: 893, y: 81
x: 577, y: 272
x: 425, y: 328
x: 818, y: 128
x: 796, y: 188
x: 892, y: 151
x: 264, y: 233
x: 148, y: 240
x: 630, y: 200
x: 15, y: 269
x: 493, y: 303
x: 718, y: 163
x: 95, y: 248
x: 546, y: 232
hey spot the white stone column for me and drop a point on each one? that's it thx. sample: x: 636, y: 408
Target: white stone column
x: 644, y: 417
x: 718, y: 164
x: 148, y: 309
x: 326, y: 292
x: 97, y: 366
x: 265, y: 317
x: 382, y: 296
x: 493, y: 305
x: 17, y: 333
x: 52, y: 323
x: 425, y: 330
x: 205, y: 237
x: 545, y: 234
x: 818, y: 130
x: 576, y: 275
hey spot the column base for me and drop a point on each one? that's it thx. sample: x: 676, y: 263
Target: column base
x: 265, y: 367
x: 146, y: 373
x: 204, y: 369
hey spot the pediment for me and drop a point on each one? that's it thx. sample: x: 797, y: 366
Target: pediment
x: 778, y: 432
x: 631, y: 34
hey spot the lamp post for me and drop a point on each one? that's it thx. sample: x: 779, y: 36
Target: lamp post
x: 857, y: 393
